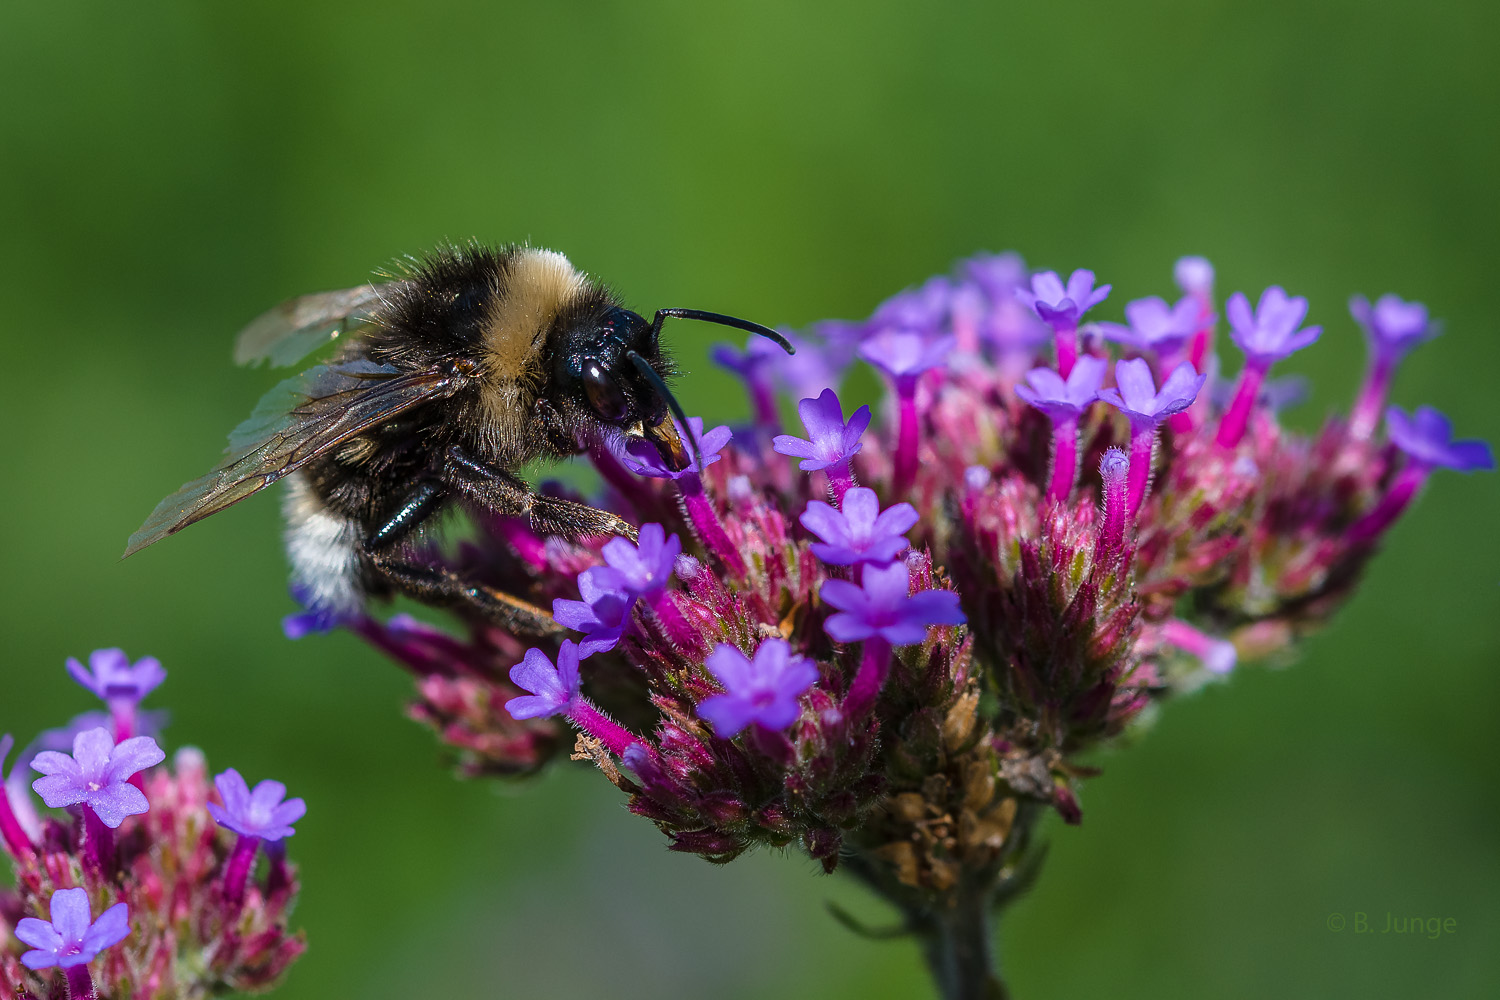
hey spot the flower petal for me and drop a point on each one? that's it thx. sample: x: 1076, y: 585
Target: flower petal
x: 110, y: 929
x: 38, y: 934
x: 114, y: 802
x: 70, y: 914
x: 132, y: 755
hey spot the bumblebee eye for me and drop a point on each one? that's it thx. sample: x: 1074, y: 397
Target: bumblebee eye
x: 604, y: 395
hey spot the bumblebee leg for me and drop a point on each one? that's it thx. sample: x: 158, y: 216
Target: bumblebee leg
x: 422, y: 504
x: 506, y: 493
x: 553, y: 428
x: 436, y: 586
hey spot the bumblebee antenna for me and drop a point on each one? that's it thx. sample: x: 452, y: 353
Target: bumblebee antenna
x: 651, y: 375
x: 722, y: 320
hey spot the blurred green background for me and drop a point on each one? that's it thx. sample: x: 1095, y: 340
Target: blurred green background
x: 169, y: 170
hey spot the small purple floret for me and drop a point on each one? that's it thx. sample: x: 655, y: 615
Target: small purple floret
x: 998, y: 275
x: 645, y: 567
x: 552, y: 689
x: 603, y: 613
x: 69, y: 938
x: 881, y: 606
x: 1427, y: 437
x: 1061, y: 306
x: 904, y: 356
x: 830, y: 441
x: 112, y: 678
x: 920, y: 310
x: 1060, y: 399
x: 1270, y: 333
x: 1195, y: 276
x: 763, y: 691
x: 1156, y: 326
x: 1135, y: 393
x: 642, y: 458
x: 1391, y: 325
x: 97, y: 775
x: 819, y: 363
x: 858, y: 531
x: 751, y: 364
x: 260, y: 813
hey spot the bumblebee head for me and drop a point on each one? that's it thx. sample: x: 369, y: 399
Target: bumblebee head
x: 612, y: 367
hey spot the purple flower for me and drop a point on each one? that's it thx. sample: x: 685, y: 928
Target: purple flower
x: 763, y: 691
x: 644, y: 568
x: 1061, y: 400
x: 70, y: 938
x: 880, y: 605
x: 602, y: 614
x: 1392, y: 326
x: 1154, y: 325
x: 112, y: 678
x: 642, y: 458
x: 1061, y: 307
x: 919, y: 310
x: 858, y: 532
x: 553, y: 690
x: 999, y: 275
x: 1136, y: 396
x: 1195, y: 276
x: 829, y: 440
x: 260, y: 813
x: 1271, y: 333
x: 313, y: 618
x: 752, y: 363
x: 905, y: 356
x: 819, y: 363
x: 1427, y: 437
x: 97, y: 775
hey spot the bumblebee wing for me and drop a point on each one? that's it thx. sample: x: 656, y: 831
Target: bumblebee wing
x: 294, y: 423
x: 295, y: 329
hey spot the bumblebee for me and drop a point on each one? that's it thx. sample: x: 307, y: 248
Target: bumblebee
x: 448, y: 378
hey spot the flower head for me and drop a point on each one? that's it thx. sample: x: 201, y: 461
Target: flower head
x: 602, y: 614
x: 1194, y: 275
x: 260, y: 813
x: 763, y: 690
x: 112, y: 678
x: 552, y: 689
x: 645, y: 567
x: 97, y: 775
x: 1136, y: 396
x: 1427, y: 436
x: 858, y: 531
x: 1270, y: 333
x: 1061, y: 306
x: 1392, y: 326
x: 1063, y: 400
x: 642, y: 458
x: 70, y: 938
x: 830, y: 441
x: 904, y: 356
x: 880, y: 605
x: 1156, y: 326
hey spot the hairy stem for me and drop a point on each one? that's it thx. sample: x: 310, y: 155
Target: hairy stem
x: 958, y: 945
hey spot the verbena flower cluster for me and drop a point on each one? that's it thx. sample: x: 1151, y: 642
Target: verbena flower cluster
x: 891, y: 642
x: 145, y: 887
